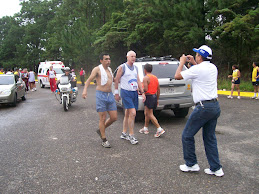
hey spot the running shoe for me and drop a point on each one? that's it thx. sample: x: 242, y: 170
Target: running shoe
x: 254, y: 97
x: 257, y: 98
x: 159, y: 133
x: 144, y: 131
x: 230, y: 97
x: 238, y: 97
x: 216, y: 173
x: 185, y: 168
x: 133, y: 140
x: 106, y: 144
x: 124, y: 136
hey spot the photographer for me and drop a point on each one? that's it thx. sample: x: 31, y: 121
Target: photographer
x: 204, y: 86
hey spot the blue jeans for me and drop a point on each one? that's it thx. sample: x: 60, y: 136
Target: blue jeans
x: 206, y: 117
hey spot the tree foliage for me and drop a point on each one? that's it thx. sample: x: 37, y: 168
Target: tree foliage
x: 76, y: 31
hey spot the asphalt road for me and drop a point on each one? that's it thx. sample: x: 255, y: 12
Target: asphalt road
x: 46, y: 150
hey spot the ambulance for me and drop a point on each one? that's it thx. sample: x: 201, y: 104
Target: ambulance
x: 43, y: 69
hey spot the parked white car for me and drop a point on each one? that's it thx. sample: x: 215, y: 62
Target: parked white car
x: 174, y: 94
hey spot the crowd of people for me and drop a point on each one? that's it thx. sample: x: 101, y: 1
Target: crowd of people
x: 204, y: 80
x: 204, y: 89
x: 235, y: 81
x: 27, y: 76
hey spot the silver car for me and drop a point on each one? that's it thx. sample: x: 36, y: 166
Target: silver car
x: 174, y: 94
x: 11, y: 88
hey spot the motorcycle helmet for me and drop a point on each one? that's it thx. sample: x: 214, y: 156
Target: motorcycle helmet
x: 67, y: 69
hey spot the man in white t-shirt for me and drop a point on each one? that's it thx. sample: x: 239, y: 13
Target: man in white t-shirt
x: 204, y: 86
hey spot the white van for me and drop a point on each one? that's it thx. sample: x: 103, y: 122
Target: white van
x: 43, y: 69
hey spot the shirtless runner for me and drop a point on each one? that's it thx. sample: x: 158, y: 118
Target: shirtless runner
x: 105, y: 101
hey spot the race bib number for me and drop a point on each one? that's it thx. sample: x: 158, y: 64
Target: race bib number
x: 133, y: 84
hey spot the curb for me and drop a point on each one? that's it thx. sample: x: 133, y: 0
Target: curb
x: 242, y: 94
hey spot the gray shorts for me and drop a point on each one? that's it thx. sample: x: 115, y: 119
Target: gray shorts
x: 105, y: 101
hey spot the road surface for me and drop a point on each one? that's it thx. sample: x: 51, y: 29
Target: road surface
x: 46, y: 150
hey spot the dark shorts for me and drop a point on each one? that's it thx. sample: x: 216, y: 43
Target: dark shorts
x: 32, y: 82
x: 237, y: 81
x: 255, y: 83
x: 105, y: 101
x: 151, y: 101
x: 129, y: 99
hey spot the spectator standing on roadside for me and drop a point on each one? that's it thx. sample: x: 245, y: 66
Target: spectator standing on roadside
x: 16, y: 72
x: 25, y: 77
x: 31, y: 80
x: 204, y: 84
x: 73, y: 72
x: 105, y: 102
x: 52, y: 79
x: 82, y: 76
x: 1, y: 71
x: 235, y: 81
x: 152, y: 92
x: 128, y: 77
x: 255, y: 79
x: 20, y: 72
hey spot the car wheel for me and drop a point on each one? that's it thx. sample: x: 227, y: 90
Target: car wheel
x: 41, y: 84
x: 14, y: 100
x: 181, y: 112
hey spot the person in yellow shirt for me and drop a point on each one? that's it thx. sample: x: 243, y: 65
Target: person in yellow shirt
x: 235, y: 81
x: 16, y: 72
x: 255, y: 79
x: 1, y: 71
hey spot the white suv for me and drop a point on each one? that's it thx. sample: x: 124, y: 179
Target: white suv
x: 174, y: 94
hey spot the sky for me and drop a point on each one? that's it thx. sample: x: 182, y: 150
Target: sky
x: 9, y: 7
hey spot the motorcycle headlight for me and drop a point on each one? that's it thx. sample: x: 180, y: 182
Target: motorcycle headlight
x: 63, y: 89
x: 5, y: 92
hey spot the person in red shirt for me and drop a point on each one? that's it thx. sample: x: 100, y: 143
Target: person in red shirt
x: 152, y: 91
x: 52, y: 79
x: 82, y: 76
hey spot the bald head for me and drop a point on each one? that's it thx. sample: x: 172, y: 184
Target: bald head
x: 131, y: 57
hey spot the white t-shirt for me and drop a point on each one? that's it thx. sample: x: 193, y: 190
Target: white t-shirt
x: 204, y: 81
x: 52, y: 74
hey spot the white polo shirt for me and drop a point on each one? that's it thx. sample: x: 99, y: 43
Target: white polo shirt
x: 204, y: 81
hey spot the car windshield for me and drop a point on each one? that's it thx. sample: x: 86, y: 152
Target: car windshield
x: 164, y: 70
x: 6, y: 80
x: 59, y: 71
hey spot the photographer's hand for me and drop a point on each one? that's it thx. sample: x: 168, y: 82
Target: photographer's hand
x: 190, y: 59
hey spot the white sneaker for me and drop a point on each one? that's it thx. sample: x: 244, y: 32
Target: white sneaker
x: 254, y: 97
x: 133, y: 140
x: 238, y: 97
x: 185, y: 168
x: 216, y: 173
x: 257, y: 98
x: 230, y: 97
x: 144, y: 131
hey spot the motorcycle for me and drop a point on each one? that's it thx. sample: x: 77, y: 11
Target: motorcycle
x: 67, y: 92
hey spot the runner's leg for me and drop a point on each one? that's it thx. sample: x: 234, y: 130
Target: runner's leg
x: 131, y: 120
x: 113, y: 118
x: 102, y: 118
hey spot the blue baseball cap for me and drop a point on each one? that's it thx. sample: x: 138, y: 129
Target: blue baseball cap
x: 204, y: 51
